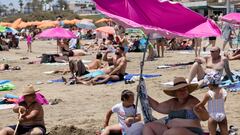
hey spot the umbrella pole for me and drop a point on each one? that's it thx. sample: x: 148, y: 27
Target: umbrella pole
x: 141, y: 74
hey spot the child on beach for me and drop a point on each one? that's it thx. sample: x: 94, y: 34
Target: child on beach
x: 31, y: 116
x: 128, y: 122
x: 29, y: 42
x: 216, y: 96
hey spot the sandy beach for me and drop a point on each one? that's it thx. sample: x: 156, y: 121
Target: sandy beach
x: 84, y: 107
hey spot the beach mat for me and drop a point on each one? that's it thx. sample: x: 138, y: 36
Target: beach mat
x: 174, y: 65
x: 129, y: 77
x: 7, y: 87
x: 55, y: 81
x: 6, y: 106
x: 229, y: 85
x: 170, y: 83
x: 4, y: 81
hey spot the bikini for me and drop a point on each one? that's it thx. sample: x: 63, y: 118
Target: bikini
x: 185, y: 114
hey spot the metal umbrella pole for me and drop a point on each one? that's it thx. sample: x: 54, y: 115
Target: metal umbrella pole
x: 142, y: 93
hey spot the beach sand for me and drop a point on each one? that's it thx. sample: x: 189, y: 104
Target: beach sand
x: 83, y: 108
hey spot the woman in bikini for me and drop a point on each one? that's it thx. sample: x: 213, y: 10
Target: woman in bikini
x: 183, y: 117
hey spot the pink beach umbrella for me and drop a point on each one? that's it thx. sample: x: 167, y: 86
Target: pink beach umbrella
x: 170, y: 19
x: 56, y: 33
x: 233, y: 18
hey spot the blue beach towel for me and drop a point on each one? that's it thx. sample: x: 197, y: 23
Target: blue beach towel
x: 4, y: 81
x: 231, y: 86
x: 55, y: 81
x: 130, y: 76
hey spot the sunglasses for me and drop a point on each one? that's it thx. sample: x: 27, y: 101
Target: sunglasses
x: 213, y: 51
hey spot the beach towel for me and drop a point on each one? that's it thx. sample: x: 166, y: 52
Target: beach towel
x: 6, y: 106
x: 170, y: 83
x: 4, y: 81
x: 229, y: 85
x: 129, y: 77
x: 174, y: 65
x: 55, y: 81
x: 55, y: 64
x: 7, y: 87
x: 134, y: 76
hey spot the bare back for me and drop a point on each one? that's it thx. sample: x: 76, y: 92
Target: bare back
x: 95, y: 64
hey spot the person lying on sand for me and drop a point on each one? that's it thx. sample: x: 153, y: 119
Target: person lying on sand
x: 86, y: 79
x: 233, y: 56
x: 117, y: 74
x: 31, y: 116
x: 4, y: 67
x: 77, y: 68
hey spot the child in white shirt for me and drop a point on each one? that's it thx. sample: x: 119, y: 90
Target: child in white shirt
x: 128, y: 121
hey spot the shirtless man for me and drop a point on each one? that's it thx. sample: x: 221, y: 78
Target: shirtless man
x: 214, y: 63
x: 120, y: 65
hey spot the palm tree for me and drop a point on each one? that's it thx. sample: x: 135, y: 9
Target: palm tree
x: 62, y: 4
x: 48, y: 2
x: 10, y: 5
x: 20, y: 2
x: 28, y: 7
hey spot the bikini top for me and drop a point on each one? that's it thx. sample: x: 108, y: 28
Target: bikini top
x: 183, y: 114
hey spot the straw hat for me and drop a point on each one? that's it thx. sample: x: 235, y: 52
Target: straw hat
x: 29, y: 90
x: 178, y: 83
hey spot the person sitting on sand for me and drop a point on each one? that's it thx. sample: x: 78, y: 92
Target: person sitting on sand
x: 77, y: 68
x: 117, y: 74
x: 213, y: 63
x: 183, y: 115
x: 32, y: 116
x: 233, y: 56
x: 128, y: 119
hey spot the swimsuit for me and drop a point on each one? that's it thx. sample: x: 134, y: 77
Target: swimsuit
x: 216, y: 106
x: 185, y: 114
x: 94, y: 74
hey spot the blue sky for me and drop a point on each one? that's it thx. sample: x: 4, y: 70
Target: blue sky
x: 15, y: 2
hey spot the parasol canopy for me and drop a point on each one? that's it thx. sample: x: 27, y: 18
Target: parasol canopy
x: 170, y: 19
x: 56, y: 33
x: 233, y: 18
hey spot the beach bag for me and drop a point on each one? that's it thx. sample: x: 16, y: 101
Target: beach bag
x: 48, y: 58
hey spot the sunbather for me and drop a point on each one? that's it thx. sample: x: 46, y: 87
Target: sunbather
x: 183, y: 117
x: 120, y: 64
x: 213, y: 63
x: 233, y: 56
x: 4, y: 67
x: 77, y: 67
x: 32, y: 121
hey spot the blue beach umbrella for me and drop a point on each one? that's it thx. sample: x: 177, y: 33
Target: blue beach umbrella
x: 86, y: 25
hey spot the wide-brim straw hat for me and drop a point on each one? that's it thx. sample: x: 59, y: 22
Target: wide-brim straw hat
x: 29, y: 90
x: 178, y: 83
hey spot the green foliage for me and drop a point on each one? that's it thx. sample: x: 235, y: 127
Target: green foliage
x: 42, y: 15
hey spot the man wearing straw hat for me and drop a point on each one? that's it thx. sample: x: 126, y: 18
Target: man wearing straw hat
x: 183, y: 117
x: 30, y: 116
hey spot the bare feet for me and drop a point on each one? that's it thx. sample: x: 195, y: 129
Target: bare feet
x: 64, y: 80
